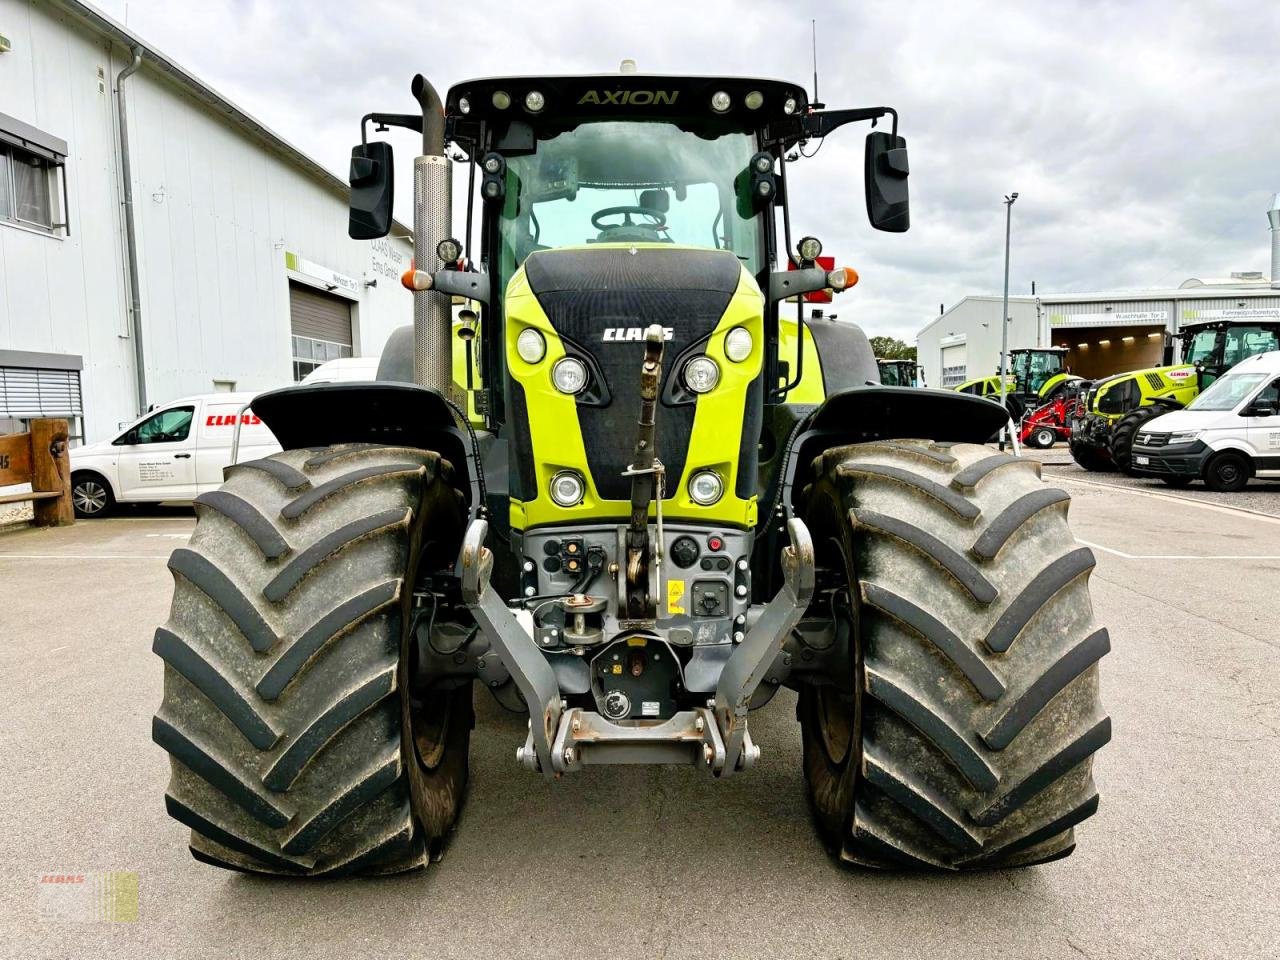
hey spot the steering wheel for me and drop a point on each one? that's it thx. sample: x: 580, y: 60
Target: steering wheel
x: 657, y: 216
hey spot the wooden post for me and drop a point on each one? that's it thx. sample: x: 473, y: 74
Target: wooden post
x: 51, y: 473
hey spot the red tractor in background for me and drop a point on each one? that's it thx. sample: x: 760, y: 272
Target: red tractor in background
x: 1043, y: 426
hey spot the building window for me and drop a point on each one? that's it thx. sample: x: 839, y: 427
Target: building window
x: 309, y: 353
x: 28, y: 189
x: 951, y: 376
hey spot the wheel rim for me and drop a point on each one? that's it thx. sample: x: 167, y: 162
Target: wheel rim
x: 431, y: 730
x: 1044, y: 437
x: 1228, y: 472
x: 835, y: 724
x: 89, y: 496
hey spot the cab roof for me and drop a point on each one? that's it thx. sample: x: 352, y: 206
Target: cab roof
x: 622, y: 96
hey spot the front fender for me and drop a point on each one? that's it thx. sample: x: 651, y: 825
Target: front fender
x: 393, y: 414
x: 863, y: 414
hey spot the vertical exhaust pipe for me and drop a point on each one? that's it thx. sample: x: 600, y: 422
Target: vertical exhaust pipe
x: 432, y: 219
x: 1273, y: 217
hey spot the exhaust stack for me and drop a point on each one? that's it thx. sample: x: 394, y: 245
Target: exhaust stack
x: 432, y: 222
x: 1273, y: 217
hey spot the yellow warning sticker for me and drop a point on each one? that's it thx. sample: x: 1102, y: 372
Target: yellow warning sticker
x: 675, y: 596
x: 617, y: 668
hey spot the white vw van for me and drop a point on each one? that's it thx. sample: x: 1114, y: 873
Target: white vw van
x: 174, y: 453
x: 1226, y: 435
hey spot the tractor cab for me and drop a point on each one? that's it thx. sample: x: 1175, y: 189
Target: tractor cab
x: 900, y: 373
x: 1215, y: 347
x: 1038, y: 372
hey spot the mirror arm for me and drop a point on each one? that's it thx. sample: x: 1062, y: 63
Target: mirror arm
x: 790, y: 283
x: 820, y: 123
x: 474, y: 285
x: 410, y: 121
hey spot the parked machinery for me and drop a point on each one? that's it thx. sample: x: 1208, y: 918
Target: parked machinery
x: 1115, y: 407
x: 1048, y: 423
x: 900, y: 373
x: 673, y: 499
x: 1036, y: 375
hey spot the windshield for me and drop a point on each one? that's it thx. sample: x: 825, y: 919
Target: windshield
x: 1245, y: 342
x: 630, y: 182
x: 892, y: 375
x: 1034, y: 368
x: 1200, y: 349
x: 1227, y: 392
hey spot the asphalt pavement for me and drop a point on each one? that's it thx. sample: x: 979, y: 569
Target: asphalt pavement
x: 1181, y: 860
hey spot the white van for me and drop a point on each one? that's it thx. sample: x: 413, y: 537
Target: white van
x: 1226, y: 435
x: 344, y: 370
x: 174, y: 453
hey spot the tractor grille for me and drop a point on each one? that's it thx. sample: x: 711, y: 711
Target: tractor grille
x: 590, y: 294
x: 1156, y: 381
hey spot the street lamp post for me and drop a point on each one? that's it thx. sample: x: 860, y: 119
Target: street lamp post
x: 1004, y: 313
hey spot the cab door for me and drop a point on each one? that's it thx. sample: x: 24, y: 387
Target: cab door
x: 157, y: 456
x: 1264, y: 429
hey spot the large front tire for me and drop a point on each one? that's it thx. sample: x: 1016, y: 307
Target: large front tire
x: 964, y: 738
x: 1123, y: 434
x: 295, y: 748
x: 1088, y: 456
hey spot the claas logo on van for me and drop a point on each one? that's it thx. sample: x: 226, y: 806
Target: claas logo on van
x: 229, y: 420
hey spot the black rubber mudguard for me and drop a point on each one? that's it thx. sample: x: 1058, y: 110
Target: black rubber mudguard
x: 880, y: 413
x: 389, y: 414
x: 862, y: 415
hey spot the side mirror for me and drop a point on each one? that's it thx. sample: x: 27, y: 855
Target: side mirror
x: 372, y: 191
x: 885, y: 172
x: 1260, y: 408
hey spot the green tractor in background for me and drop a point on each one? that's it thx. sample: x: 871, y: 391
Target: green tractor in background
x: 900, y: 373
x: 666, y: 499
x: 1115, y: 407
x: 1036, y: 376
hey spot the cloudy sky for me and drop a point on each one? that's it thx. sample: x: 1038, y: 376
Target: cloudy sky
x: 1143, y: 138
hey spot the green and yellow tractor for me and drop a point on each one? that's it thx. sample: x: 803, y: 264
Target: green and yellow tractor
x: 665, y: 499
x: 1036, y: 376
x: 1115, y: 407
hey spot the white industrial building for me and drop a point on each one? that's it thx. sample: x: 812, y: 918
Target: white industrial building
x: 157, y: 241
x: 1104, y: 333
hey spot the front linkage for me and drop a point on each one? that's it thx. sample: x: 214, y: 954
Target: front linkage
x: 715, y: 735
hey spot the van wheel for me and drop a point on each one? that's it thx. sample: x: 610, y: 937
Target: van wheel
x: 1227, y: 472
x: 91, y: 496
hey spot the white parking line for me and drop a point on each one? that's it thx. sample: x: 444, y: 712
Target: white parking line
x: 1172, y: 498
x: 1178, y: 556
x: 83, y: 556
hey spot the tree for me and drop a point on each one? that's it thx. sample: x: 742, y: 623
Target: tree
x: 891, y: 348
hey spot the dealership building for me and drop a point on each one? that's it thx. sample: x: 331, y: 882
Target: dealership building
x: 1103, y: 333
x: 156, y: 240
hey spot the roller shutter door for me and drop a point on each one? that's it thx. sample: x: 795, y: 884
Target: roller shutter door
x: 321, y: 328
x: 954, y: 365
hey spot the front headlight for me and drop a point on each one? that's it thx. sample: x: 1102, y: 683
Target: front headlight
x: 530, y: 345
x: 738, y: 344
x: 567, y: 488
x: 1186, y: 436
x: 705, y: 488
x: 701, y: 374
x: 569, y: 375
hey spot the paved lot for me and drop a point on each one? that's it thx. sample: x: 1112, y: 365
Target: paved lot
x: 1180, y: 862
